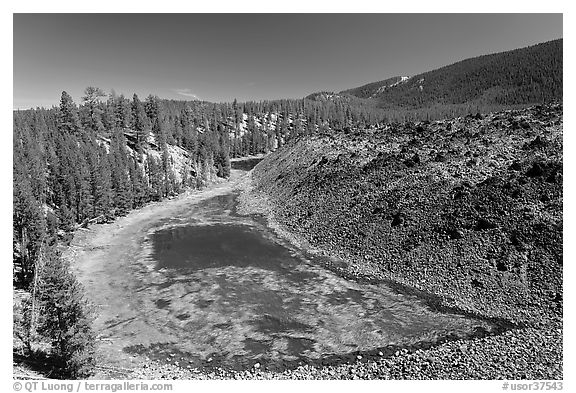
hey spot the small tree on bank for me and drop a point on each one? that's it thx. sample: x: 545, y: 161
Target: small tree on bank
x: 65, y: 317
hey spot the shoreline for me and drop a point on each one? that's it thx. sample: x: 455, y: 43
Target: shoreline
x: 251, y: 201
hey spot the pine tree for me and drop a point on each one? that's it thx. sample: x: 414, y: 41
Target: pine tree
x: 189, y: 133
x: 102, y: 185
x: 91, y: 100
x: 121, y: 112
x: 177, y: 133
x: 120, y: 179
x: 155, y: 178
x: 66, y: 316
x: 139, y: 122
x: 68, y: 120
x: 152, y: 108
x: 66, y: 219
x: 28, y: 225
x: 83, y: 189
x: 139, y: 189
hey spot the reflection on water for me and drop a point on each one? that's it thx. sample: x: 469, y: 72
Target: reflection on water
x: 236, y: 293
x: 246, y: 164
x: 211, y: 246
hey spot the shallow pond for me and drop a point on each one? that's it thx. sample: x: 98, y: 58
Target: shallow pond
x: 237, y: 294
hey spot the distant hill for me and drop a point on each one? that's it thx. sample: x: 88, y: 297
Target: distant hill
x: 521, y: 76
x: 328, y: 96
x: 342, y: 98
x: 372, y: 89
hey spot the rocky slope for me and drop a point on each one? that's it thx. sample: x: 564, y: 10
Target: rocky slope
x: 467, y: 212
x: 469, y: 209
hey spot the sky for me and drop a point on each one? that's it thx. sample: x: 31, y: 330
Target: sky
x: 222, y: 57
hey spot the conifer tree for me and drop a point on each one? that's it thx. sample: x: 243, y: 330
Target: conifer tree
x: 121, y: 112
x: 68, y: 120
x: 28, y: 225
x: 177, y: 133
x: 120, y: 178
x: 139, y: 122
x: 139, y: 189
x: 155, y: 178
x: 152, y: 108
x: 66, y: 316
x: 83, y: 189
x: 102, y: 185
x: 91, y: 100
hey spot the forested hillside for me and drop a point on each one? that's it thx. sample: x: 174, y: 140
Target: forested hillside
x: 522, y: 76
x: 371, y: 89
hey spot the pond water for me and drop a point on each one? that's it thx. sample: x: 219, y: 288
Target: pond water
x: 245, y: 164
x: 238, y: 294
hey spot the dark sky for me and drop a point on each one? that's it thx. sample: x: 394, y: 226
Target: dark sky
x: 219, y: 57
